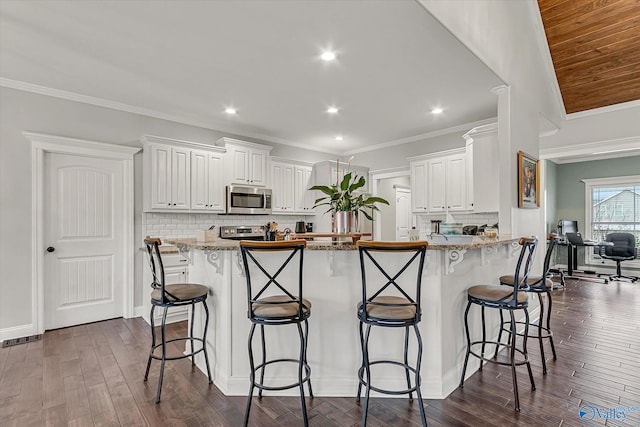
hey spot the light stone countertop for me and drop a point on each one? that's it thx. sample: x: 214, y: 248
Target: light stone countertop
x: 438, y: 243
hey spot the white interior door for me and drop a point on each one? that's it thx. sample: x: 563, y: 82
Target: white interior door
x: 403, y: 213
x: 84, y: 222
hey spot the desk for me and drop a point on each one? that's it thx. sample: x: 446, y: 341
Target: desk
x: 572, y: 258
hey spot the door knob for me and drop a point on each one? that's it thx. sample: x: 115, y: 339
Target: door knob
x: 51, y: 249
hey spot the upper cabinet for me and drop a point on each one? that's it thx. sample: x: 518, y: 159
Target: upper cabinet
x: 245, y: 162
x: 170, y: 183
x: 439, y: 182
x: 290, y: 182
x: 207, y: 181
x: 483, y: 168
x: 329, y: 173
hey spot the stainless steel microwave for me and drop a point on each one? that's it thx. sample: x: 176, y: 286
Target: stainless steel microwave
x: 248, y: 200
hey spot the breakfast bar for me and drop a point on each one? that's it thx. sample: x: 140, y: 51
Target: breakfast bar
x: 332, y: 282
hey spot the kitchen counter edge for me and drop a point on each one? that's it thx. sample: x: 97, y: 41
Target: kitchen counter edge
x: 230, y: 245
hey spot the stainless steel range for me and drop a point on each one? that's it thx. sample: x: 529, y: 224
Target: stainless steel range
x: 242, y: 232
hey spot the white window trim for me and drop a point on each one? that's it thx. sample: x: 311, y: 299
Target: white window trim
x: 589, y: 184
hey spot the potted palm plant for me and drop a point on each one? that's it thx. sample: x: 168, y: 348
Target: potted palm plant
x: 345, y: 203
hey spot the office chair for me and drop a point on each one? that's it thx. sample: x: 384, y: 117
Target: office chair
x: 623, y: 249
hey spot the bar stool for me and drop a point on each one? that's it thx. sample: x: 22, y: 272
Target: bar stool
x: 167, y: 296
x: 274, y: 303
x: 539, y: 285
x: 503, y: 298
x: 386, y: 304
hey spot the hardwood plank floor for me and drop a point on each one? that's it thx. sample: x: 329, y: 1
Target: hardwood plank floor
x: 92, y: 375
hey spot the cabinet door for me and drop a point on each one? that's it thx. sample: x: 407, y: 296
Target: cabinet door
x: 283, y: 189
x: 180, y: 178
x: 456, y: 183
x: 160, y: 177
x: 486, y: 173
x: 303, y: 199
x: 257, y: 168
x: 419, y: 186
x: 215, y: 181
x: 173, y: 275
x: 437, y: 200
x: 199, y: 180
x: 239, y: 165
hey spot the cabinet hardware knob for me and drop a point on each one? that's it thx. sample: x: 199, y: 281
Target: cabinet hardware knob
x: 51, y: 249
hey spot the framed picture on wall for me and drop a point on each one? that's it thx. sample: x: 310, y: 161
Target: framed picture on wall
x: 528, y: 181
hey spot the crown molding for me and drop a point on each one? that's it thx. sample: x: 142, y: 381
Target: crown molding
x: 428, y: 135
x: 602, y: 110
x: 118, y: 106
x: 598, y: 150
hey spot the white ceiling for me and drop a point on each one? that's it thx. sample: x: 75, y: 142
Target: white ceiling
x: 188, y: 60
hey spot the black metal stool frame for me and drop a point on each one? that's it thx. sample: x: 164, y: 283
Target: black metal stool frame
x: 167, y: 301
x: 301, y: 315
x: 509, y: 303
x: 538, y: 287
x: 364, y: 373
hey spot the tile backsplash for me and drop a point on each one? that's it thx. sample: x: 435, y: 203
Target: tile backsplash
x: 184, y: 225
x: 423, y: 222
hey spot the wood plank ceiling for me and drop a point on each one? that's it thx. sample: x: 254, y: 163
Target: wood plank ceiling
x: 595, y: 47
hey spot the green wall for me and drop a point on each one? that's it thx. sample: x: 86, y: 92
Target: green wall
x: 569, y: 189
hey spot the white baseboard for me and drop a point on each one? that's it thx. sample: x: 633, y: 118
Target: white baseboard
x: 17, y: 332
x: 137, y: 311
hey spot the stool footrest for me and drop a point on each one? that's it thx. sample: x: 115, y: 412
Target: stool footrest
x: 392, y: 392
x: 492, y: 360
x: 284, y: 387
x: 184, y: 356
x: 549, y: 333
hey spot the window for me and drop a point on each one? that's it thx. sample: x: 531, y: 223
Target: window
x: 612, y: 205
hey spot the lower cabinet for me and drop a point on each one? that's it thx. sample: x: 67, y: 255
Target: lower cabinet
x: 176, y: 270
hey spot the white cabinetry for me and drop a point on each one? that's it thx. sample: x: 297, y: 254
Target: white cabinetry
x: 169, y: 182
x: 439, y: 182
x: 419, y: 189
x: 176, y: 270
x: 245, y: 162
x: 303, y: 198
x: 207, y: 181
x: 290, y: 182
x: 483, y: 168
x: 282, y: 187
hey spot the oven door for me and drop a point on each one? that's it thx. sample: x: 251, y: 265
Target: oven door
x: 248, y: 200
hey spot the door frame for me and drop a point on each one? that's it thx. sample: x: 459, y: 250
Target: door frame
x: 374, y: 177
x: 42, y: 144
x: 403, y: 188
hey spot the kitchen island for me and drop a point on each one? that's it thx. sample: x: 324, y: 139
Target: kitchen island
x: 332, y: 282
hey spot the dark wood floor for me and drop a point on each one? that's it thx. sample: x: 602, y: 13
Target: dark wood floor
x: 92, y: 375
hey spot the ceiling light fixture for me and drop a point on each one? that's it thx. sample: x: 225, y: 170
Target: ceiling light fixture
x: 332, y: 110
x: 327, y: 55
x: 437, y: 110
x: 230, y: 110
x: 339, y: 138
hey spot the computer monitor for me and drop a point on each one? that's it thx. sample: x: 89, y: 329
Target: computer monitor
x: 567, y: 226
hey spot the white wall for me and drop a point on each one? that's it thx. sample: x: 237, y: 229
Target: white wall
x: 388, y: 212
x: 503, y: 35
x: 22, y: 111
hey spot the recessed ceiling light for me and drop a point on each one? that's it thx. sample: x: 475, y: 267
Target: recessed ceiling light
x: 328, y: 55
x: 332, y: 110
x: 230, y: 110
x: 339, y: 138
x: 437, y: 110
